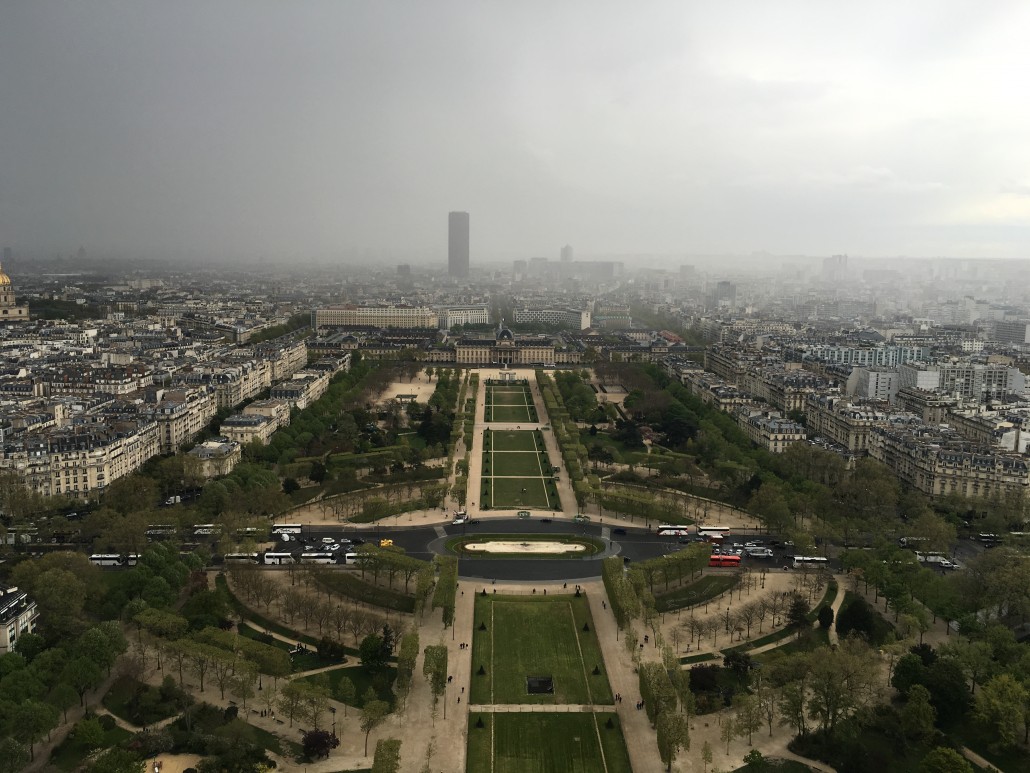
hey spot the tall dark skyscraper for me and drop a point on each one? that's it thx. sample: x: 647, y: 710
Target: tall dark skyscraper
x: 458, y: 244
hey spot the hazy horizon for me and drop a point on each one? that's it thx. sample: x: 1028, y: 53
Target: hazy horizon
x: 321, y: 131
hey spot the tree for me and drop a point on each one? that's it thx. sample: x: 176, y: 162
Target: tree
x: 1001, y: 706
x: 387, y: 757
x: 755, y: 760
x: 89, y: 734
x: 918, y: 716
x: 728, y: 732
x: 841, y: 682
x: 373, y: 653
x: 825, y: 617
x: 797, y: 613
x: 34, y: 719
x: 291, y: 700
x: 944, y: 760
x: 434, y: 667
x: 318, y: 744
x: 82, y: 674
x: 373, y: 715
x: 345, y: 693
x: 748, y: 716
x: 63, y: 697
x: 706, y: 755
x: 13, y: 755
x: 673, y: 735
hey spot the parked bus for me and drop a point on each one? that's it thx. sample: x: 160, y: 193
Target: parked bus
x: 317, y: 558
x: 667, y: 530
x: 161, y: 530
x: 350, y: 558
x: 205, y: 528
x: 718, y: 559
x: 987, y: 538
x: 912, y: 542
x: 713, y: 533
x: 810, y: 561
x: 114, y: 559
x: 287, y: 528
x: 279, y: 558
x: 242, y: 558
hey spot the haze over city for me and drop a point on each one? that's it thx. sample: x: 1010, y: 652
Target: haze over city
x: 336, y: 132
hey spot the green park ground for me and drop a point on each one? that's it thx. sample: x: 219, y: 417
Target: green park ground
x: 552, y: 636
x: 516, y: 473
x: 509, y: 404
x: 546, y: 743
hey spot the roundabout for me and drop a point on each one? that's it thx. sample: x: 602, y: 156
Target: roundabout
x: 555, y: 546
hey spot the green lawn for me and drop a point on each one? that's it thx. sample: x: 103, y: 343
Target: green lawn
x: 510, y: 396
x: 536, y: 636
x: 508, y: 413
x: 516, y: 464
x: 514, y: 440
x: 362, y: 681
x: 508, y: 493
x: 546, y: 743
x: 707, y: 587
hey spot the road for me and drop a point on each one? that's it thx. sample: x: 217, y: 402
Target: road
x: 635, y: 544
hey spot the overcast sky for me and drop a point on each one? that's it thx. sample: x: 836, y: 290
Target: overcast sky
x: 295, y: 129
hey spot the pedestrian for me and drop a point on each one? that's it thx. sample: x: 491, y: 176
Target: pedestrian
x: 604, y: 605
x: 545, y: 591
x: 462, y: 690
x: 450, y: 679
x: 565, y: 586
x: 459, y: 699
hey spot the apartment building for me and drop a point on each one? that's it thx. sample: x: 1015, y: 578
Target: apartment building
x: 278, y: 410
x: 768, y: 429
x: 181, y: 415
x: 302, y: 390
x: 578, y: 319
x: 938, y: 462
x: 463, y: 315
x: 217, y: 457
x: 375, y: 316
x: 246, y: 428
x: 83, y: 458
x: 18, y: 616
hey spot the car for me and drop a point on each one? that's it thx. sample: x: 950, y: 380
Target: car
x: 753, y: 544
x: 334, y: 546
x: 685, y: 540
x: 545, y: 520
x: 386, y: 543
x: 474, y: 521
x: 327, y: 540
x: 618, y: 531
x: 285, y: 537
x: 626, y: 560
x: 357, y: 541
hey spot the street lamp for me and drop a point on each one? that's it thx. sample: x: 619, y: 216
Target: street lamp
x: 333, y: 710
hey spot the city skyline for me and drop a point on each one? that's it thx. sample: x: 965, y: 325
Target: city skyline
x: 330, y: 131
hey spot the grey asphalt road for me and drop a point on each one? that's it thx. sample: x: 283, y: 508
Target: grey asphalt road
x: 635, y: 544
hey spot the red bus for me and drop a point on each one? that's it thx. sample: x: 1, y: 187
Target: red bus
x: 718, y: 559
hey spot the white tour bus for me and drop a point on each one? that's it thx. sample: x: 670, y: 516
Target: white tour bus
x: 667, y: 530
x: 114, y: 559
x: 204, y: 528
x: 810, y: 561
x: 350, y: 558
x: 242, y: 558
x: 317, y: 558
x: 279, y: 558
x: 287, y: 528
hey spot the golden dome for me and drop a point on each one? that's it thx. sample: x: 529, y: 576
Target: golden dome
x: 5, y: 280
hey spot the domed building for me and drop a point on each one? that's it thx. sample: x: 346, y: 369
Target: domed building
x: 10, y: 311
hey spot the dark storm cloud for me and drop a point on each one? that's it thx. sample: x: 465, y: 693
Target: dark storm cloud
x: 326, y: 128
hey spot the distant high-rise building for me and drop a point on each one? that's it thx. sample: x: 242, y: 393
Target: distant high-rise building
x: 458, y: 244
x: 835, y: 268
x: 724, y: 296
x: 7, y: 254
x: 403, y: 269
x: 566, y: 253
